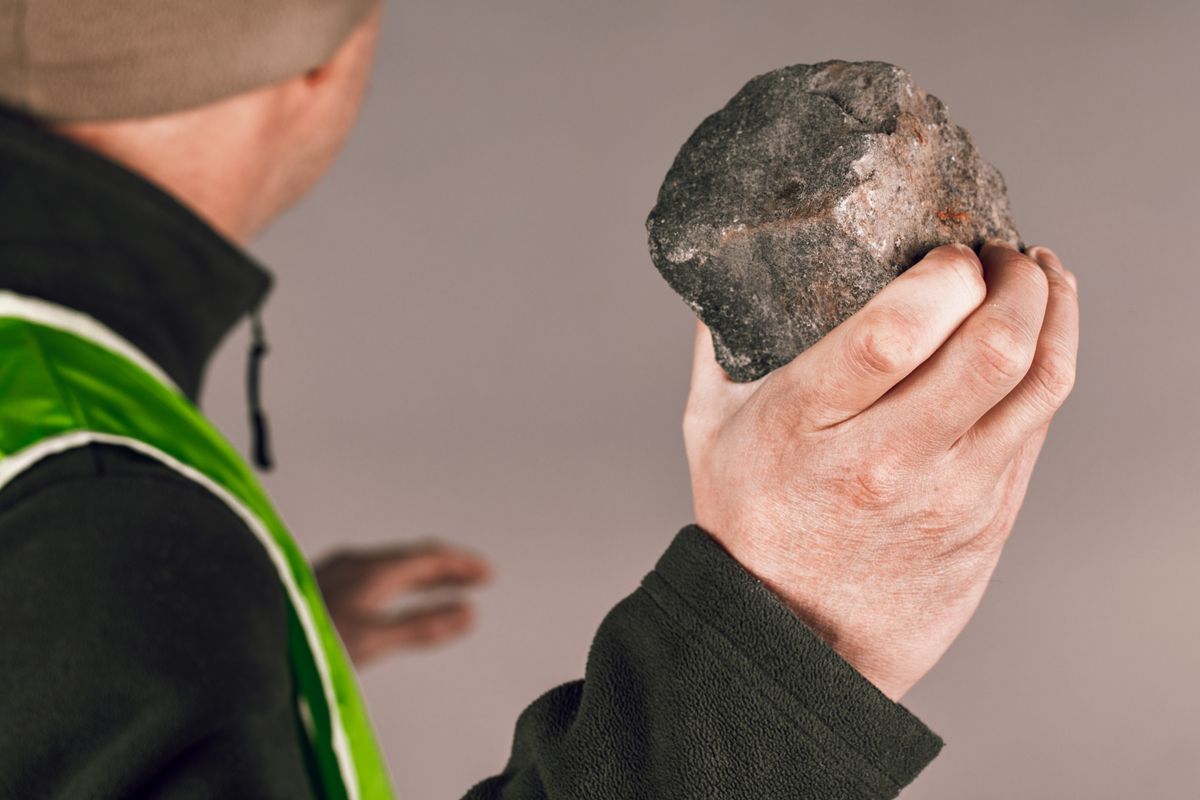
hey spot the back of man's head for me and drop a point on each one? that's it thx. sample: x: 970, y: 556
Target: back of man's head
x: 236, y: 106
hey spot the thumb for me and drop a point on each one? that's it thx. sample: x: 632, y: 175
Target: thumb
x: 712, y: 393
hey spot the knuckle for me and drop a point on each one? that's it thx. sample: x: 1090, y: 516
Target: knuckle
x: 881, y: 344
x: 1053, y: 376
x: 1028, y: 270
x: 1003, y: 350
x: 873, y: 485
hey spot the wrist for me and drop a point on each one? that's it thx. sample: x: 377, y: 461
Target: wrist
x: 873, y: 649
x: 835, y: 612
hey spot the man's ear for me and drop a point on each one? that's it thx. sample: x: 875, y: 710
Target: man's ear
x: 349, y: 54
x: 317, y: 75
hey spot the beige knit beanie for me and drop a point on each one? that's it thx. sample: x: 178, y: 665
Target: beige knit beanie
x: 81, y: 60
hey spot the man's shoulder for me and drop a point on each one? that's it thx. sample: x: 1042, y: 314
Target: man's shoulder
x: 145, y: 633
x: 105, y: 546
x: 103, y: 466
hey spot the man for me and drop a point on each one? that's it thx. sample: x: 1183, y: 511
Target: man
x: 164, y: 639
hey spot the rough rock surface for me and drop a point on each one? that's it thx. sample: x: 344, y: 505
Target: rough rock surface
x: 789, y: 208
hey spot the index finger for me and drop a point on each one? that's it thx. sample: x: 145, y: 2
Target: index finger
x: 389, y: 572
x: 857, y: 362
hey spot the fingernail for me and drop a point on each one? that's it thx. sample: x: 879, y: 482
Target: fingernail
x: 1041, y: 251
x: 1000, y: 243
x: 1046, y: 257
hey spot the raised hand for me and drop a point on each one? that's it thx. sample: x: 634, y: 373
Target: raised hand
x: 872, y: 481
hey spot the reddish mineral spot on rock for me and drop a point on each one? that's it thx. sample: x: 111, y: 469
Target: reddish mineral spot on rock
x: 953, y: 216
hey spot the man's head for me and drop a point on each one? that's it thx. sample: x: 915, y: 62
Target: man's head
x: 242, y: 157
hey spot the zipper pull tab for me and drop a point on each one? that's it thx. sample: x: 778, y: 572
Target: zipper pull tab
x: 258, y: 417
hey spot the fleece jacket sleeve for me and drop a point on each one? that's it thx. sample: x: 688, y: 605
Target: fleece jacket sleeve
x: 702, y: 684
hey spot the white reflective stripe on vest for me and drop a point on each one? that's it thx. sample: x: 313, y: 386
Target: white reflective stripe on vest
x: 86, y: 327
x: 53, y: 315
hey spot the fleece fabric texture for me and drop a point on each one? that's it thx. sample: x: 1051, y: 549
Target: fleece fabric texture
x: 144, y: 627
x: 702, y: 684
x: 145, y: 633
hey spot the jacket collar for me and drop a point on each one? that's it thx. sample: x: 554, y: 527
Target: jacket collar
x: 80, y: 230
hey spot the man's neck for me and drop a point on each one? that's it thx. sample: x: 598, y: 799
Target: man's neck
x: 83, y: 231
x: 218, y: 159
x: 213, y: 197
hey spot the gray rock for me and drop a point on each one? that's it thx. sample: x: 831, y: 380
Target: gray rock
x: 815, y: 186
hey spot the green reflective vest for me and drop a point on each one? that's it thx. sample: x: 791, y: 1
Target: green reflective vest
x: 67, y: 381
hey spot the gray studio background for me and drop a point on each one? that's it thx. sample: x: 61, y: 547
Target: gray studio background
x: 470, y: 342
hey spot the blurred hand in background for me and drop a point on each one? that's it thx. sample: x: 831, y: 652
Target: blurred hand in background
x: 363, y: 589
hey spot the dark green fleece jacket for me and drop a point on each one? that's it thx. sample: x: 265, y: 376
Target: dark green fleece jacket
x: 144, y: 628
